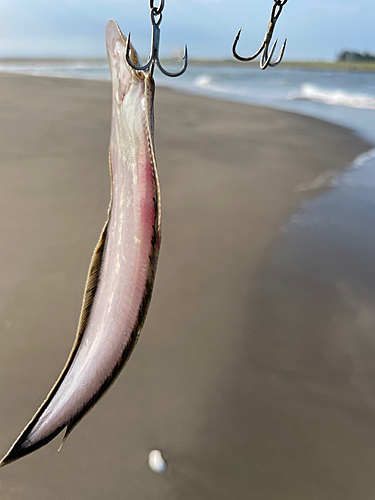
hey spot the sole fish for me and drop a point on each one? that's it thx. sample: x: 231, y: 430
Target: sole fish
x: 122, y: 270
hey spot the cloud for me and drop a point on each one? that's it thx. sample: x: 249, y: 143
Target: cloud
x: 315, y: 29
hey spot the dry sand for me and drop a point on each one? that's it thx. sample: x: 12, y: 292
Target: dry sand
x: 201, y: 384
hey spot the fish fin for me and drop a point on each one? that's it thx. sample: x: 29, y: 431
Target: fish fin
x: 23, y: 447
x: 20, y: 448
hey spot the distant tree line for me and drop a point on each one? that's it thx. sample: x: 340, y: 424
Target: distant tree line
x: 348, y: 55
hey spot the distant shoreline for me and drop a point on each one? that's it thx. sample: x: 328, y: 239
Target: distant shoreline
x: 307, y: 65
x: 239, y: 400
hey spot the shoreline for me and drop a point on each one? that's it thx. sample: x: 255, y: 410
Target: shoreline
x: 343, y: 121
x: 353, y: 66
x: 228, y: 175
x: 362, y: 135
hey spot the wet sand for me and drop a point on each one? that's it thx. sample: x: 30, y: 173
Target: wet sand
x: 231, y: 379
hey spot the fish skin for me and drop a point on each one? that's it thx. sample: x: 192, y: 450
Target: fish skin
x: 122, y: 270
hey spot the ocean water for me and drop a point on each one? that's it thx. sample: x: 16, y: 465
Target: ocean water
x: 311, y: 318
x: 342, y: 97
x: 346, y: 98
x: 344, y: 216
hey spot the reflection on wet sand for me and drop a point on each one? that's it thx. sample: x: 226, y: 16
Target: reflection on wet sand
x: 248, y: 376
x: 304, y: 377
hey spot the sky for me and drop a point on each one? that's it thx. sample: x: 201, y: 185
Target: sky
x: 316, y: 29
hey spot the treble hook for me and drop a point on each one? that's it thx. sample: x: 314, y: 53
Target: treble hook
x: 266, y: 59
x: 154, y: 57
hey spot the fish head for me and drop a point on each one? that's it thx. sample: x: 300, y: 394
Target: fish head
x: 125, y: 80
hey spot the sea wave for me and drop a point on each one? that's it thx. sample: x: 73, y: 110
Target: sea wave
x: 361, y: 174
x: 203, y: 81
x: 75, y: 69
x: 364, y: 158
x: 336, y: 97
x: 206, y: 82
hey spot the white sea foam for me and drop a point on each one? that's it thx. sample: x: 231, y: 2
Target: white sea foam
x: 76, y: 69
x: 347, y: 178
x: 361, y: 174
x: 364, y: 158
x: 336, y: 97
x: 206, y: 82
x: 203, y: 81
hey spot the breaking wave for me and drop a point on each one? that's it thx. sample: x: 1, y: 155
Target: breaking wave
x: 62, y: 69
x: 206, y: 82
x: 203, y: 81
x: 335, y: 97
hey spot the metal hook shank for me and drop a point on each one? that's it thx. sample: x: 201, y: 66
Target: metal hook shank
x: 182, y: 70
x: 265, y: 59
x: 155, y: 43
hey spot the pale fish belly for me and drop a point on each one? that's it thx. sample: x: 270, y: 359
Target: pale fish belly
x: 122, y: 270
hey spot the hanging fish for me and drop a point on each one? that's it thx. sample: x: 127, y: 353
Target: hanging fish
x: 122, y: 270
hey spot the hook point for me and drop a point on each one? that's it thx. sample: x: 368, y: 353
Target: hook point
x: 264, y: 48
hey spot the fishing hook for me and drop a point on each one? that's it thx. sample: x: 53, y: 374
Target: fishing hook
x: 266, y: 59
x: 154, y: 57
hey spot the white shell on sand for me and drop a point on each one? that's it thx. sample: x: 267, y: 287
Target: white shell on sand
x: 156, y: 462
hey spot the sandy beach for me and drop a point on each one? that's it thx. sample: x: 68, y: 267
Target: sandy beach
x: 247, y: 397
